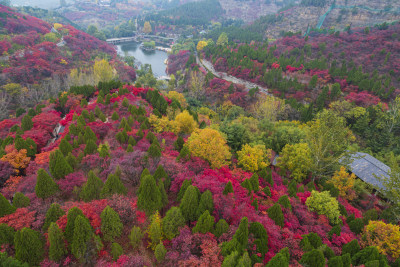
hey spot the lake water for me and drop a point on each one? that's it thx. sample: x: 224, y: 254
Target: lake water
x: 154, y: 58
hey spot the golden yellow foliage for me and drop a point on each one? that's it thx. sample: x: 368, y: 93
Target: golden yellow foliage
x: 385, y: 237
x: 147, y: 27
x: 57, y: 26
x: 254, y: 158
x: 267, y: 107
x: 154, y: 231
x: 185, y: 122
x: 103, y: 70
x: 201, y: 45
x: 163, y: 124
x: 344, y: 182
x: 178, y: 97
x: 209, y: 144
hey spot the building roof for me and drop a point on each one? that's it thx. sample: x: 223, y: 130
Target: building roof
x: 368, y: 169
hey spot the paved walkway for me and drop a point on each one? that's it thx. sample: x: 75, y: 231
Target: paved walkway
x: 222, y: 75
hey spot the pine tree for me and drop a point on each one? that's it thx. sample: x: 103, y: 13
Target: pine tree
x: 52, y: 215
x: 228, y: 188
x: 266, y: 174
x: 244, y: 261
x: 172, y: 221
x: 285, y: 202
x: 182, y: 190
x: 231, y: 259
x: 90, y: 148
x: 254, y: 182
x: 149, y: 199
x: 7, y: 234
x: 89, y: 135
x: 190, y: 203
x: 279, y: 260
x: 313, y: 258
x: 116, y: 251
x: 205, y: 223
x: 206, y: 202
x: 261, y: 237
x: 292, y: 188
x: 57, y: 248
x: 275, y: 213
x: 160, y: 252
x: 242, y: 235
x: 92, y: 188
x: 113, y: 186
x: 28, y: 246
x: 154, y: 151
x: 26, y: 123
x: 151, y: 137
x: 160, y: 173
x: 129, y: 149
x: 111, y: 225
x: 135, y: 237
x: 115, y: 116
x: 221, y: 227
x: 178, y: 144
x: 83, y: 233
x: 73, y: 213
x: 5, y: 206
x: 45, y: 185
x: 184, y: 154
x: 65, y: 147
x: 155, y: 230
x: 58, y: 166
x: 131, y: 141
x: 164, y: 196
x: 20, y: 200
x: 267, y: 191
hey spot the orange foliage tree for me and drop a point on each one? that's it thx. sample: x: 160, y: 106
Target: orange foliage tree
x: 344, y: 182
x: 18, y: 159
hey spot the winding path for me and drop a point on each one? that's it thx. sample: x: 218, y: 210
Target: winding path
x: 222, y: 75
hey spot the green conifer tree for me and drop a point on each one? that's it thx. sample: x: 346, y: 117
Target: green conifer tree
x: 160, y: 173
x: 155, y: 230
x: 285, y: 202
x: 58, y: 166
x: 205, y: 223
x: 261, y: 237
x: 164, y: 196
x: 254, y: 182
x: 65, y: 147
x: 313, y: 258
x: 184, y: 186
x: 160, y: 252
x: 89, y: 135
x: 184, y: 154
x: 244, y: 261
x: 135, y: 237
x: 178, y: 144
x: 52, y: 215
x: 266, y: 175
x: 275, y: 213
x: 231, y: 259
x: 45, y: 185
x: 112, y: 186
x: 172, y: 221
x: 92, y: 188
x: 20, y: 200
x: 28, y: 246
x: 116, y: 251
x: 149, y: 199
x: 91, y: 147
x: 221, y: 227
x: 131, y: 141
x: 83, y: 233
x: 57, y: 248
x: 154, y: 151
x: 73, y: 213
x: 111, y: 225
x: 228, y: 188
x: 115, y: 116
x: 7, y: 234
x: 206, y: 202
x: 26, y: 123
x: 190, y: 203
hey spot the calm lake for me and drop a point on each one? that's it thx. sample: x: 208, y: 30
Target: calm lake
x: 154, y: 58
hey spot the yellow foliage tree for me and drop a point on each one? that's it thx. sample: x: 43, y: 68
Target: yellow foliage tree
x: 267, y: 107
x: 17, y: 159
x: 201, y: 45
x: 209, y: 144
x: 344, y: 182
x: 57, y: 26
x: 296, y: 159
x: 178, y: 97
x: 185, y: 122
x: 385, y: 237
x: 147, y: 27
x: 154, y: 231
x: 103, y: 70
x: 13, y: 89
x: 163, y: 124
x: 254, y: 158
